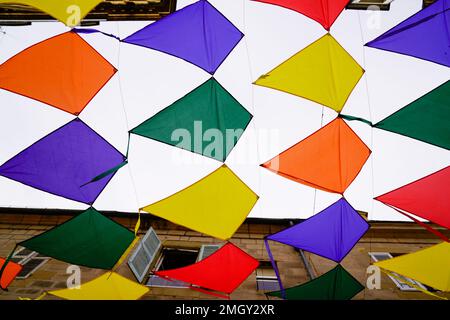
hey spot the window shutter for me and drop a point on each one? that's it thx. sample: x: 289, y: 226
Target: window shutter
x: 144, y: 254
x: 207, y: 250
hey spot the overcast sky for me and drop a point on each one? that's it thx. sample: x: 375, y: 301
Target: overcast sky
x: 152, y: 80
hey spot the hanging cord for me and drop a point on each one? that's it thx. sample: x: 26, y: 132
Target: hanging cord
x: 315, y: 190
x: 371, y: 133
x: 122, y: 100
x: 252, y: 92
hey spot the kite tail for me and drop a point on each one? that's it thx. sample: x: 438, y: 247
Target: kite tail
x: 138, y: 224
x: 106, y: 173
x: 5, y: 264
x: 275, y: 268
x: 434, y: 231
x: 38, y: 298
x: 89, y: 31
x: 125, y: 254
x: 227, y: 297
x: 112, y: 170
x: 352, y: 118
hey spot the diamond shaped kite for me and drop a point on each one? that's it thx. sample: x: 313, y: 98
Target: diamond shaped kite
x: 329, y: 159
x: 427, y: 197
x: 336, y: 284
x: 64, y: 72
x: 69, y: 12
x: 430, y: 266
x: 331, y: 234
x: 209, y: 109
x: 89, y: 239
x: 198, y: 34
x: 64, y: 162
x: 426, y: 119
x: 324, y: 12
x: 215, y: 205
x: 109, y: 286
x: 323, y: 72
x: 424, y: 35
x: 223, y: 271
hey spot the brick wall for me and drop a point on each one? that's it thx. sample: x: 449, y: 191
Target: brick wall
x: 382, y: 237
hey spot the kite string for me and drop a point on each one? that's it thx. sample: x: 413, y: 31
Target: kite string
x: 369, y: 109
x: 372, y: 162
x: 252, y: 91
x: 122, y: 100
x: 315, y: 190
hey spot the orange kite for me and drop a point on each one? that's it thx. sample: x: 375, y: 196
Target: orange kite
x: 63, y: 71
x: 329, y: 159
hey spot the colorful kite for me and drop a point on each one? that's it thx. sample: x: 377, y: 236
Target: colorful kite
x: 89, y: 239
x: 69, y: 12
x: 424, y: 35
x: 331, y: 233
x: 66, y: 162
x: 427, y: 119
x: 215, y: 205
x: 323, y: 72
x: 329, y: 159
x: 207, y: 121
x: 222, y: 271
x: 430, y: 266
x: 64, y: 72
x: 336, y: 284
x: 198, y: 34
x: 324, y: 12
x: 109, y: 286
x: 427, y: 197
x: 8, y: 273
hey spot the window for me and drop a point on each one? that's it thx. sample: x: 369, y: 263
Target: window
x: 370, y: 4
x: 150, y: 252
x: 402, y: 285
x: 30, y: 260
x: 144, y: 254
x: 207, y: 250
x: 172, y: 258
x: 266, y: 279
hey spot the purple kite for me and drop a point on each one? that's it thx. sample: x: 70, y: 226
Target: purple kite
x: 425, y: 35
x: 198, y: 34
x: 332, y: 233
x: 66, y: 163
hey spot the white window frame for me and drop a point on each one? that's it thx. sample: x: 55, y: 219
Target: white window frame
x: 403, y: 286
x: 26, y: 258
x: 204, y: 247
x: 141, y: 246
x: 266, y: 278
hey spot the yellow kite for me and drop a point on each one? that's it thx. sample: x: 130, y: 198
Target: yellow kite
x: 215, y: 205
x: 430, y: 266
x: 323, y: 72
x: 69, y: 12
x: 109, y: 286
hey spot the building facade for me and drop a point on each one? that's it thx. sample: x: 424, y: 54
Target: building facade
x: 180, y: 247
